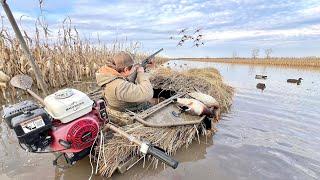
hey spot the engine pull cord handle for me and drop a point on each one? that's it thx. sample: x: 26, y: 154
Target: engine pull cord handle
x: 146, y: 148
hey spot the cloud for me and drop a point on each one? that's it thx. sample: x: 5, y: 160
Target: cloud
x: 254, y: 22
x: 180, y: 19
x: 281, y: 34
x: 312, y: 11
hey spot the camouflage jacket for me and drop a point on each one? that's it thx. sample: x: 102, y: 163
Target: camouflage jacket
x: 121, y: 94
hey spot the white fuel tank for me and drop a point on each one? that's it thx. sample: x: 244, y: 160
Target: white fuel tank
x: 68, y: 104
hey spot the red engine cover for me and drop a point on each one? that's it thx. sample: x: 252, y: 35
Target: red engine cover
x: 80, y: 133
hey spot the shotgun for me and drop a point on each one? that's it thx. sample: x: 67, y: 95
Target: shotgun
x: 132, y: 77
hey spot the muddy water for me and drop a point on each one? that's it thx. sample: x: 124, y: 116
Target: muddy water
x: 270, y: 134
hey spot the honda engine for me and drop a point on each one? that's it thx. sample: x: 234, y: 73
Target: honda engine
x: 69, y: 123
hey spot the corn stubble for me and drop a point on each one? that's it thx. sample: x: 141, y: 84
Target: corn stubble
x: 62, y: 60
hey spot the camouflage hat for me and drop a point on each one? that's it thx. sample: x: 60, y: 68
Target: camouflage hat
x: 122, y: 60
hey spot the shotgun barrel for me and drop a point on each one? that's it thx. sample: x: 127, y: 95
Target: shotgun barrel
x: 132, y: 77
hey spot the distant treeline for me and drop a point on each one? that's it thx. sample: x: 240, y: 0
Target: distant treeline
x: 274, y: 61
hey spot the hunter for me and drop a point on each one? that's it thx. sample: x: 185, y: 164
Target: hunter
x: 120, y: 94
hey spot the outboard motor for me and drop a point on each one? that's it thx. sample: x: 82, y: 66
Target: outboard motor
x: 69, y: 123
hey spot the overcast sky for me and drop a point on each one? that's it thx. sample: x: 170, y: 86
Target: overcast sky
x: 289, y: 27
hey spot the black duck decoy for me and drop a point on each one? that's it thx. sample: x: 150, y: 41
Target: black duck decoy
x: 261, y: 86
x: 261, y: 77
x: 298, y: 81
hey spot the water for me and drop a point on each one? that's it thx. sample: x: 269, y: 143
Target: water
x: 270, y: 134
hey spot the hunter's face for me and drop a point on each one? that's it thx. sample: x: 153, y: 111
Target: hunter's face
x: 127, y: 71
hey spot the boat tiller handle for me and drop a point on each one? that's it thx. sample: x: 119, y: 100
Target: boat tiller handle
x: 145, y: 147
x: 162, y: 156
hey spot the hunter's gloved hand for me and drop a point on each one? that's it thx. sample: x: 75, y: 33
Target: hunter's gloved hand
x: 151, y: 65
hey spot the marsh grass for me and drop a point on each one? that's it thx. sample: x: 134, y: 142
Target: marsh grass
x: 312, y: 62
x: 207, y: 80
x: 117, y: 149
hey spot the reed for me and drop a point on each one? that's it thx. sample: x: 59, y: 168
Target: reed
x: 62, y: 60
x: 313, y: 62
x: 115, y: 150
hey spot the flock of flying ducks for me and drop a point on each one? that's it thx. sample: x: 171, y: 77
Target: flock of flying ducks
x: 196, y: 37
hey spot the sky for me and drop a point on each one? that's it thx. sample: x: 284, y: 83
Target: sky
x: 229, y: 27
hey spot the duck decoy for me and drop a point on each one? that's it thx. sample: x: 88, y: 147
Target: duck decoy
x: 298, y: 81
x: 261, y: 77
x: 261, y: 86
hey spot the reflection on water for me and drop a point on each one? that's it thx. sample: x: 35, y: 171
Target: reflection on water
x: 272, y: 134
x: 269, y: 134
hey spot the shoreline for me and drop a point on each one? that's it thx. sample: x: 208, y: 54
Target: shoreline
x: 281, y: 62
